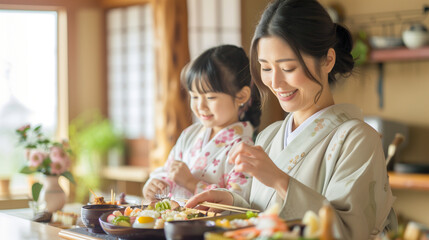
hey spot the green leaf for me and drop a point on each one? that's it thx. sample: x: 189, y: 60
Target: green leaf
x: 69, y: 176
x: 37, y: 128
x: 35, y: 190
x: 43, y: 141
x: 28, y: 170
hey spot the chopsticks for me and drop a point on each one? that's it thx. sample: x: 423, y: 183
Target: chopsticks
x: 227, y: 207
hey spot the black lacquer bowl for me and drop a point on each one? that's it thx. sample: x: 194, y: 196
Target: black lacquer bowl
x: 91, y: 213
x: 189, y: 230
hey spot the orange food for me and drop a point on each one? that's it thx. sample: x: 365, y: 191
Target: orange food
x: 128, y: 211
x: 99, y: 200
x: 244, y: 233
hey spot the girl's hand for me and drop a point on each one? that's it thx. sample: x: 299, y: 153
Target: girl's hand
x: 254, y: 161
x: 154, y: 186
x: 181, y: 175
x: 214, y: 196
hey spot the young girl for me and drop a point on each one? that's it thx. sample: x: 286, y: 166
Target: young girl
x: 228, y: 107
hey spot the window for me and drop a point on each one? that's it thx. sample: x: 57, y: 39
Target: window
x: 131, y: 70
x: 28, y: 83
x: 213, y: 22
x: 130, y: 53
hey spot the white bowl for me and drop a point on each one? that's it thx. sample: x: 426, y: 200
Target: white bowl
x: 415, y: 39
x: 381, y: 42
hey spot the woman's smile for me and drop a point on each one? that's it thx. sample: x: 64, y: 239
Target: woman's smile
x: 286, y: 96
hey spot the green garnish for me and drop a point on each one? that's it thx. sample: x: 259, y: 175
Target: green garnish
x: 118, y: 219
x: 162, y: 206
x: 250, y: 214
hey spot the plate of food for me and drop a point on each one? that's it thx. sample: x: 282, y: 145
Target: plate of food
x: 147, y: 221
x: 196, y: 229
x: 268, y: 225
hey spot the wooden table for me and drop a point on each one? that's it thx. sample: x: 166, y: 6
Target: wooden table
x: 12, y: 227
x: 17, y: 224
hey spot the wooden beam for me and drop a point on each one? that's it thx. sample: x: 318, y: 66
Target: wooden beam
x: 122, y: 3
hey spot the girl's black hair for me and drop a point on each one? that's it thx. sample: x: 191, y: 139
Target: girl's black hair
x: 307, y: 28
x: 224, y: 69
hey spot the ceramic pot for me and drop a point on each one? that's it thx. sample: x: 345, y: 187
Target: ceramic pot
x: 52, y: 194
x: 417, y: 36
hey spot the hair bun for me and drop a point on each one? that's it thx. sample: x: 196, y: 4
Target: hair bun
x: 344, y: 38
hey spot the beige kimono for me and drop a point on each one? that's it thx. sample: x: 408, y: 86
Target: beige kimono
x: 337, y: 158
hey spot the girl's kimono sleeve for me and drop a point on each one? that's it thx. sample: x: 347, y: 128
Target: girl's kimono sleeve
x: 235, y: 182
x: 161, y: 173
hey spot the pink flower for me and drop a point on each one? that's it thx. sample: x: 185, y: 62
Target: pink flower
x: 36, y: 158
x: 24, y: 127
x: 57, y: 168
x: 201, y: 163
x: 58, y: 154
x: 216, y: 162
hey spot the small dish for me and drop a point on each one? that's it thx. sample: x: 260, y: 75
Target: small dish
x: 91, y: 213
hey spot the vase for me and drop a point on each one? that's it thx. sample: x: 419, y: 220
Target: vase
x: 52, y: 194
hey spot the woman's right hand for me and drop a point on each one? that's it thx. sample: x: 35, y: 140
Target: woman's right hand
x: 154, y: 186
x: 214, y: 196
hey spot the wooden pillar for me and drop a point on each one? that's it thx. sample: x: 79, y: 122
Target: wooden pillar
x: 172, y: 54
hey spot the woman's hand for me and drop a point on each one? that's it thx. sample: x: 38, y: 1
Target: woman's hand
x: 214, y: 196
x: 154, y: 186
x: 179, y: 172
x: 254, y: 161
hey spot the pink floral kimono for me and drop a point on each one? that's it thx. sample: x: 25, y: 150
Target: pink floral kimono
x: 207, y: 159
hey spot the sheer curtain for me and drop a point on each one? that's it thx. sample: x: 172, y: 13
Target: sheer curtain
x: 28, y: 83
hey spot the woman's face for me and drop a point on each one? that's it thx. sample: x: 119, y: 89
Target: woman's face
x: 215, y: 110
x: 283, y: 74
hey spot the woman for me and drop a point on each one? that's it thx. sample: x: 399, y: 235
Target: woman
x: 321, y: 152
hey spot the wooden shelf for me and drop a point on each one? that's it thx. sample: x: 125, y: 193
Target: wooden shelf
x: 399, y: 54
x: 126, y: 173
x: 409, y: 181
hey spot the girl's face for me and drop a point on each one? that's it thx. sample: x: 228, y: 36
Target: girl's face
x: 215, y: 110
x: 283, y: 74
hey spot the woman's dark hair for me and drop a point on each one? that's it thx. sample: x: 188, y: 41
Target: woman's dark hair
x: 307, y: 28
x: 225, y: 69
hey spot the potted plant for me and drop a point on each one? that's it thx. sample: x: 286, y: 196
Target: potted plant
x: 50, y: 158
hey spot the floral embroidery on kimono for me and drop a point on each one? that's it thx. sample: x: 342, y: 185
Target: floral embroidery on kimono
x: 209, y: 162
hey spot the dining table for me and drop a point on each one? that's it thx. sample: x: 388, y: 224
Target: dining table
x: 18, y: 224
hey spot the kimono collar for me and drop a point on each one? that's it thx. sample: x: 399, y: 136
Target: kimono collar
x: 309, y: 136
x: 291, y: 135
